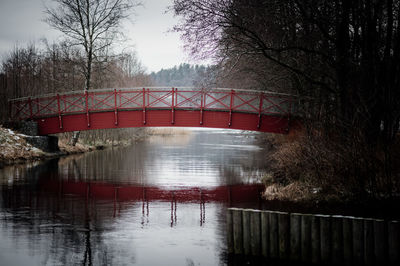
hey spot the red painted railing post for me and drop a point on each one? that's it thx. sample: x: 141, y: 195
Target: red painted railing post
x: 230, y: 108
x: 115, y: 108
x: 260, y: 107
x: 37, y: 107
x: 59, y: 111
x: 201, y: 107
x: 172, y: 106
x: 10, y: 110
x: 87, y: 108
x: 144, y: 106
x: 289, y: 113
x: 30, y: 107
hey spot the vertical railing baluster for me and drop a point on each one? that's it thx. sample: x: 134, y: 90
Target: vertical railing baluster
x: 230, y: 108
x: 87, y: 108
x: 10, y: 104
x: 59, y: 112
x: 172, y: 106
x: 260, y: 110
x: 115, y: 108
x: 201, y: 106
x: 30, y: 107
x: 144, y: 106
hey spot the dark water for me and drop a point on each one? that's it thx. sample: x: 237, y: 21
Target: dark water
x: 159, y: 202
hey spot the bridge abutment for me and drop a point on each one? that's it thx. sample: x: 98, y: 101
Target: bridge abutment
x: 30, y: 131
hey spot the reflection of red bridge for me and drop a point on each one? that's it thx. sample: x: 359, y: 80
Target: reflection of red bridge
x: 233, y: 193
x: 156, y: 107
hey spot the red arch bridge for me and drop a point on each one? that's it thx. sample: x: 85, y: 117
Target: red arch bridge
x: 156, y: 107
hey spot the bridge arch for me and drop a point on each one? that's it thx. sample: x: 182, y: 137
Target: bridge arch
x: 156, y: 107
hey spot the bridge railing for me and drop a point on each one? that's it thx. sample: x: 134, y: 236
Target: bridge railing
x: 227, y: 100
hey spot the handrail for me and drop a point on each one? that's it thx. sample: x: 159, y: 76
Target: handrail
x: 202, y: 99
x: 141, y: 88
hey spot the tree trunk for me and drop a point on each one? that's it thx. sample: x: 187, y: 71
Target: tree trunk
x: 75, y: 138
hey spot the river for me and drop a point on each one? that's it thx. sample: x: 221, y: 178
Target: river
x: 158, y: 202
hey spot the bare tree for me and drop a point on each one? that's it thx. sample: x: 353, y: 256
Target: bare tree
x: 92, y: 25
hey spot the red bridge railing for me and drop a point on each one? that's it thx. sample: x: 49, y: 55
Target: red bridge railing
x: 226, y: 100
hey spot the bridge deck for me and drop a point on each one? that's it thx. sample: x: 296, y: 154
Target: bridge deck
x: 154, y: 107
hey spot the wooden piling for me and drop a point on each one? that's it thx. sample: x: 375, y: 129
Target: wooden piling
x: 273, y: 235
x: 325, y: 236
x: 229, y: 227
x: 315, y: 240
x: 306, y: 237
x: 284, y: 235
x: 358, y: 241
x: 347, y: 240
x: 265, y: 233
x: 333, y: 240
x: 295, y: 236
x: 237, y: 231
x: 337, y: 239
x: 393, y: 242
x: 255, y: 232
x: 246, y: 231
x: 380, y: 243
x: 368, y: 242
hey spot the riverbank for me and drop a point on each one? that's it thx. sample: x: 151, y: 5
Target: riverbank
x: 15, y: 149
x: 307, y: 174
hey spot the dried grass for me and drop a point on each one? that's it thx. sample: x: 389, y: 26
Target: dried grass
x: 309, y: 166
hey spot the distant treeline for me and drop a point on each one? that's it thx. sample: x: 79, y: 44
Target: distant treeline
x: 184, y: 75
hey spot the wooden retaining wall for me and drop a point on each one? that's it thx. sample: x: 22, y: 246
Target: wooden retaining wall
x: 310, y: 238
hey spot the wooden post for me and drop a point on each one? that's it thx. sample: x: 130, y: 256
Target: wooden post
x: 315, y: 240
x: 246, y: 231
x: 265, y: 233
x: 273, y: 235
x: 337, y: 239
x: 325, y: 234
x: 347, y: 240
x: 237, y: 231
x: 255, y: 232
x: 284, y: 234
x: 380, y: 243
x: 295, y: 236
x: 358, y: 241
x: 229, y: 226
x: 393, y: 242
x: 306, y: 237
x: 368, y: 242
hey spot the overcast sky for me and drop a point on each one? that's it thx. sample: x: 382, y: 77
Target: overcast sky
x: 21, y: 23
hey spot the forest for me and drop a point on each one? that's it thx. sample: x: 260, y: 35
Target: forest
x: 340, y: 58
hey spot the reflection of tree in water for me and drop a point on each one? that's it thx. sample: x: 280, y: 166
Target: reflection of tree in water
x: 72, y: 230
x: 229, y: 157
x: 123, y: 164
x: 66, y: 229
